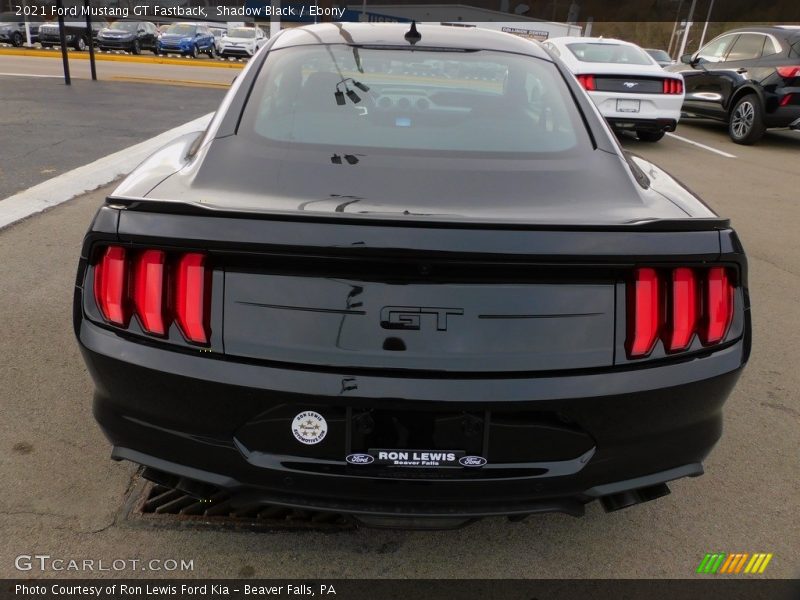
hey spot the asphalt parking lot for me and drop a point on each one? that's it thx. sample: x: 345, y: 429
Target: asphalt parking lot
x: 63, y: 496
x: 50, y: 128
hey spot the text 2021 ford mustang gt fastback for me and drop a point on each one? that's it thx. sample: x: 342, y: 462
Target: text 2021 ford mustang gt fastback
x: 410, y: 275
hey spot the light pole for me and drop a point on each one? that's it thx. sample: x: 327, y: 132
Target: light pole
x: 705, y: 26
x: 686, y: 30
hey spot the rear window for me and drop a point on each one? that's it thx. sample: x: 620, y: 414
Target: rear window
x: 660, y: 55
x: 420, y: 101
x: 609, y: 53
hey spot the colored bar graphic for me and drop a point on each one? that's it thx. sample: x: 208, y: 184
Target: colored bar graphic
x: 722, y: 563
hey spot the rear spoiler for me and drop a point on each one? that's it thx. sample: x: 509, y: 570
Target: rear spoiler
x: 429, y: 221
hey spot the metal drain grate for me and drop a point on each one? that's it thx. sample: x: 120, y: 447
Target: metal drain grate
x: 158, y: 505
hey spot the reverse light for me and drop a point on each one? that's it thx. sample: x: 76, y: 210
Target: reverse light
x: 111, y: 285
x: 192, y: 297
x: 587, y: 82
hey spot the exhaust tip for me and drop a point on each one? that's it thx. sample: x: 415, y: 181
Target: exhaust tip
x: 630, y: 498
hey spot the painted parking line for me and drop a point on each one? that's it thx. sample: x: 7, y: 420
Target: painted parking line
x: 703, y: 146
x: 73, y: 183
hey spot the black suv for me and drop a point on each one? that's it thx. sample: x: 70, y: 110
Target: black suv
x: 76, y: 33
x: 748, y: 77
x: 133, y: 36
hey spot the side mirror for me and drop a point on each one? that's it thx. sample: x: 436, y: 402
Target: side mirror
x: 686, y: 59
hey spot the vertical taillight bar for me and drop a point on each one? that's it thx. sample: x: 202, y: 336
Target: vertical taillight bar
x: 683, y: 310
x: 111, y: 285
x: 718, y: 306
x: 587, y: 82
x: 644, y: 312
x: 192, y: 300
x: 149, y: 291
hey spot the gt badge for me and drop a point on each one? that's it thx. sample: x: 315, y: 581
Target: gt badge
x: 309, y: 427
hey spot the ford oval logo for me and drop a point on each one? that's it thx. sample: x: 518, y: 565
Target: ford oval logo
x: 472, y: 461
x: 360, y: 459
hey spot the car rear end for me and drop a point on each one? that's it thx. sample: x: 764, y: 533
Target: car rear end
x: 782, y: 88
x: 576, y: 364
x: 636, y: 102
x: 626, y: 84
x: 430, y: 331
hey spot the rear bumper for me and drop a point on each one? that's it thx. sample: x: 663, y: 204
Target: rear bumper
x: 208, y: 419
x: 643, y: 124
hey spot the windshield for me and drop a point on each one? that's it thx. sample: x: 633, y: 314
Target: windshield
x: 609, y: 53
x: 125, y: 26
x: 242, y: 32
x: 421, y: 101
x: 181, y: 29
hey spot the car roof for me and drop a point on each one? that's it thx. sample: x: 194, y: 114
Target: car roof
x: 392, y: 34
x: 785, y: 31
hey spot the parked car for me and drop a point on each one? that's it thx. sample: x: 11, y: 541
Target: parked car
x: 629, y: 88
x: 12, y: 30
x: 133, y: 36
x: 749, y: 78
x: 187, y: 39
x: 660, y: 56
x: 419, y: 300
x: 242, y: 42
x: 77, y: 35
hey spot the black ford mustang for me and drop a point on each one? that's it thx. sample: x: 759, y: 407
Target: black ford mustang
x: 410, y: 275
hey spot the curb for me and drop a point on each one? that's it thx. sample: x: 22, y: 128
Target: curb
x: 185, y: 62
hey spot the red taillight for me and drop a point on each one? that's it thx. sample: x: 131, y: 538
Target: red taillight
x: 111, y: 285
x: 192, y: 297
x: 157, y: 287
x: 683, y: 310
x: 149, y: 291
x: 697, y: 301
x: 718, y: 306
x: 789, y: 72
x: 673, y: 86
x: 644, y: 312
x: 587, y: 82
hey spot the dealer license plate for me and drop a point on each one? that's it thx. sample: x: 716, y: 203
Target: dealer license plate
x: 416, y: 458
x: 628, y: 106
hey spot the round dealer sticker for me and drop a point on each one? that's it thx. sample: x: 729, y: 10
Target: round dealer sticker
x: 309, y: 427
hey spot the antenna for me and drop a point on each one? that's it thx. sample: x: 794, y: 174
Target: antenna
x: 412, y: 35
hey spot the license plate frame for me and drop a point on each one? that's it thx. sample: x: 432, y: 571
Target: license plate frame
x: 628, y: 105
